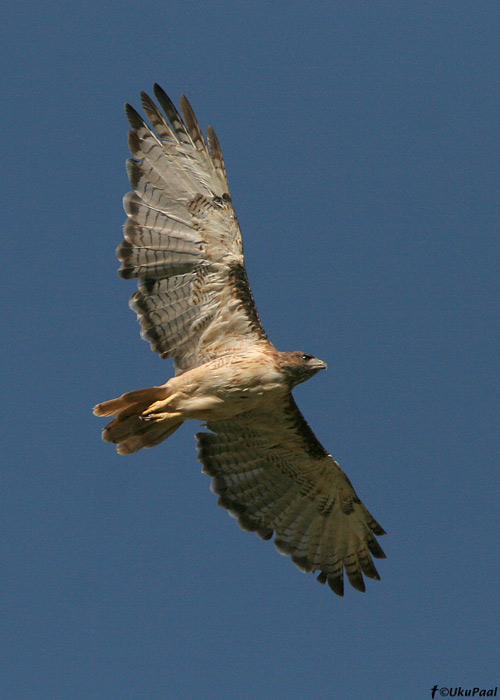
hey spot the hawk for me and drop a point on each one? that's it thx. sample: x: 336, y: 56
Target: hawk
x: 183, y: 243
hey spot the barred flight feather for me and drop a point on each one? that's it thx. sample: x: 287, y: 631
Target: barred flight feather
x: 156, y: 118
x: 181, y: 221
x: 282, y: 489
x: 173, y: 115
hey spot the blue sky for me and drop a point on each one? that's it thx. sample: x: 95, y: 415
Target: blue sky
x: 361, y: 141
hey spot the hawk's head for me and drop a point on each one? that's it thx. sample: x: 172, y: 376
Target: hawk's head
x: 299, y: 366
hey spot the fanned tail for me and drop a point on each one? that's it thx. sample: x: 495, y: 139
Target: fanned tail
x: 138, y: 423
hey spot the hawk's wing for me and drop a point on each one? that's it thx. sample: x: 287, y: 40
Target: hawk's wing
x: 272, y: 473
x: 183, y: 241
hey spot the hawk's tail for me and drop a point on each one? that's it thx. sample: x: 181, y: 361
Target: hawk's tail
x: 141, y: 419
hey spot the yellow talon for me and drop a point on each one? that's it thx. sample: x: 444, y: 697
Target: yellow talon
x: 157, y: 417
x: 158, y: 406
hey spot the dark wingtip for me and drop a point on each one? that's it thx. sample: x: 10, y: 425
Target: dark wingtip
x: 161, y: 94
x: 134, y: 118
x: 376, y: 550
x: 336, y: 585
x: 357, y: 582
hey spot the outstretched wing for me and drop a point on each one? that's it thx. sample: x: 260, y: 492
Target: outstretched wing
x: 183, y: 241
x: 271, y: 472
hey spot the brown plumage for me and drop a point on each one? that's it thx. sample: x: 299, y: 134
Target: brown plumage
x: 183, y: 243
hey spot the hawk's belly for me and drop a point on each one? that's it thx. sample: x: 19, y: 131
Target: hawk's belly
x: 218, y: 391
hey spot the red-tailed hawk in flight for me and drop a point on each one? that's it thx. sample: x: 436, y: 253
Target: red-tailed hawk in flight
x: 194, y: 303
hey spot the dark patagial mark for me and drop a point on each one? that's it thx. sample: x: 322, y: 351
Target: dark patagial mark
x: 239, y: 280
x: 308, y: 439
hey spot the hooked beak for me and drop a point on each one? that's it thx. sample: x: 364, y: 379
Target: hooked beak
x: 319, y: 364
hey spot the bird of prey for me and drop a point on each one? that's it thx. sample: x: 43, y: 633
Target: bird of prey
x: 183, y: 243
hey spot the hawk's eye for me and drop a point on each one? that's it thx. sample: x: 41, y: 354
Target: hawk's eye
x: 306, y: 358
